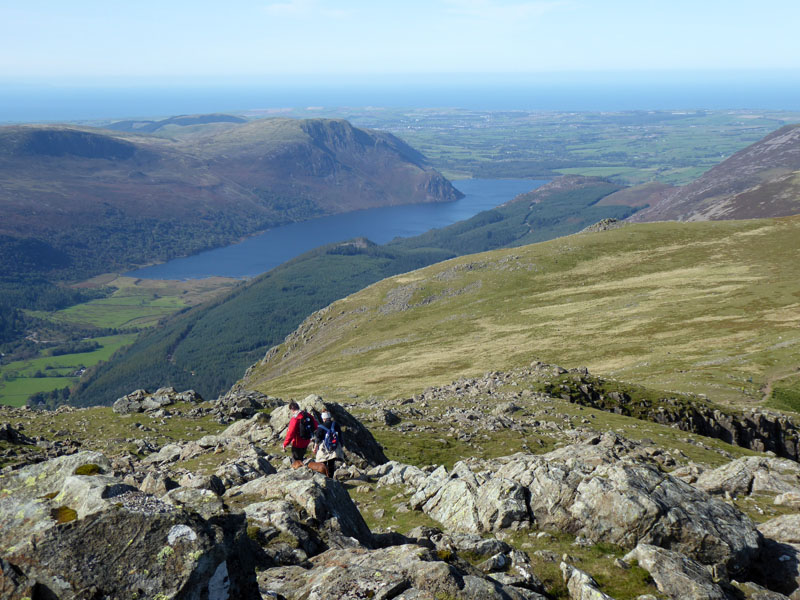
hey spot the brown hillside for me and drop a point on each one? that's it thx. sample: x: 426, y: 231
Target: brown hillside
x: 760, y: 181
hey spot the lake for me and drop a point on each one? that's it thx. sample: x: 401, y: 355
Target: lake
x: 267, y: 250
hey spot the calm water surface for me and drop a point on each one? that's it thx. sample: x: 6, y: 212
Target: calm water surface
x: 271, y: 248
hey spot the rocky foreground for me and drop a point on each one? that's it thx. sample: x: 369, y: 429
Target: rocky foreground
x: 221, y: 514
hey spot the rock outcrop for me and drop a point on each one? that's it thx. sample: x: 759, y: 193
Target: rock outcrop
x: 143, y: 401
x: 677, y: 576
x: 589, y: 489
x: 72, y: 530
x: 406, y: 572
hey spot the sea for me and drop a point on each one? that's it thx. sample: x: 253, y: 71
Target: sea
x: 63, y: 101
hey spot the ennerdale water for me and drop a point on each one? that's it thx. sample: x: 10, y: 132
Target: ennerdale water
x: 265, y: 251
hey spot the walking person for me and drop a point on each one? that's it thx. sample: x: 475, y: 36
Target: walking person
x: 302, y: 426
x: 328, y: 443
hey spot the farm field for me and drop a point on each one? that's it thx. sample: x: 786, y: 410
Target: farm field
x: 134, y: 306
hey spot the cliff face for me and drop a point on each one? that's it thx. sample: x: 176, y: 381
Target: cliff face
x: 759, y: 181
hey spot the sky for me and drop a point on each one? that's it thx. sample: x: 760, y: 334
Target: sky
x: 112, y: 41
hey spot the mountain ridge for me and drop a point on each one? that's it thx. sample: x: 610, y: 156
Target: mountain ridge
x: 759, y: 181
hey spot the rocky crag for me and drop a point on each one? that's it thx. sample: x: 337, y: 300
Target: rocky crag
x: 517, y: 493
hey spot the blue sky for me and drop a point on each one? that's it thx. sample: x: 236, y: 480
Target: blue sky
x: 178, y: 40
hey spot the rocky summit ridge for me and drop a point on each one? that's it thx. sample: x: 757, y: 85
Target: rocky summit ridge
x: 483, y: 488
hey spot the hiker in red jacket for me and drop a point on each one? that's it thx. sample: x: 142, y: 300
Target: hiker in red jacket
x: 302, y: 426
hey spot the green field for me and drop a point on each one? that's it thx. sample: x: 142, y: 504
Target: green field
x: 19, y: 380
x: 135, y: 305
x: 121, y: 311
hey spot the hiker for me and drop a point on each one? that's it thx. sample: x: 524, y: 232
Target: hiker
x: 328, y: 443
x: 301, y: 429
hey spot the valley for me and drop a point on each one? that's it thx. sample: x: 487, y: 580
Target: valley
x: 543, y: 401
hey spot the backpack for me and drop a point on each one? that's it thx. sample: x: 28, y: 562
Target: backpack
x: 305, y: 427
x: 331, y: 440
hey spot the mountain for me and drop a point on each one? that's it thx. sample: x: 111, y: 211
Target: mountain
x: 701, y: 307
x: 181, y: 121
x: 763, y: 180
x: 97, y: 200
x: 263, y: 311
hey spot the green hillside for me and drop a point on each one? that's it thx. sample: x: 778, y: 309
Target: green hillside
x: 703, y: 307
x: 208, y: 348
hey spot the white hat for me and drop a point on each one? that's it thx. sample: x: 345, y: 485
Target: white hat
x: 326, y: 415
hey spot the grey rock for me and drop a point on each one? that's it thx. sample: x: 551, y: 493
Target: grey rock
x: 123, y: 540
x: 465, y: 505
x: 11, y: 435
x: 203, y: 482
x: 791, y: 499
x: 167, y: 454
x: 204, y: 502
x: 757, y: 592
x: 581, y: 585
x: 143, y: 401
x: 321, y: 498
x: 477, y: 545
x: 752, y: 475
x: 785, y: 528
x: 675, y: 575
x: 598, y: 490
x: 157, y: 484
x: 405, y: 571
x: 386, y: 417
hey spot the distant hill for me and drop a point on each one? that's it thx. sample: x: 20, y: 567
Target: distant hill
x: 763, y: 180
x: 209, y: 347
x: 102, y: 200
x: 694, y: 307
x: 144, y: 126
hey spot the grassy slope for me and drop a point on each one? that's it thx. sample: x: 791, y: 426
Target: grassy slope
x: 703, y: 307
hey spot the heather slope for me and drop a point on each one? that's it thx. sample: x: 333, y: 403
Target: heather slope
x: 760, y: 181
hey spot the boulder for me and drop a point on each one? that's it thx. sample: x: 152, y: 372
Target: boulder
x: 143, y: 401
x: 157, y: 484
x: 464, y: 504
x: 249, y: 465
x: 405, y: 571
x: 785, y: 528
x: 675, y: 575
x: 204, y: 502
x: 318, y: 497
x: 396, y: 473
x: 581, y: 585
x: 596, y: 489
x: 11, y: 435
x: 757, y: 592
x: 752, y: 475
x: 203, y: 482
x: 243, y: 404
x: 167, y: 454
x: 70, y: 531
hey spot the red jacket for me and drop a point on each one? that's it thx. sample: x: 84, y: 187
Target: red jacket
x: 293, y: 433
